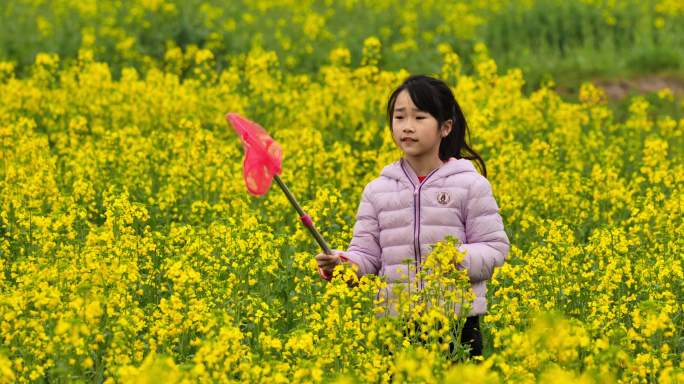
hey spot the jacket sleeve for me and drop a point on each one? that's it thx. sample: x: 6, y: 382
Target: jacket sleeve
x: 364, y: 248
x: 486, y: 245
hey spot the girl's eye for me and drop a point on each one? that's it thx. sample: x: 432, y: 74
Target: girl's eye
x: 398, y: 117
x: 420, y: 117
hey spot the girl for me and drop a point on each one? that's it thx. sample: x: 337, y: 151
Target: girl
x: 432, y: 191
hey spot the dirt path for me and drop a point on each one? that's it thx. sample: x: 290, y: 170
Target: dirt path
x: 618, y: 89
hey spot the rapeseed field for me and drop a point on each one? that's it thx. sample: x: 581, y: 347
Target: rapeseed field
x: 130, y: 250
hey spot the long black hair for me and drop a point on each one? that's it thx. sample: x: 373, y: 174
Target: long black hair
x: 435, y: 97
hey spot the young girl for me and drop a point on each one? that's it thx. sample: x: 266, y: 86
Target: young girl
x: 432, y: 191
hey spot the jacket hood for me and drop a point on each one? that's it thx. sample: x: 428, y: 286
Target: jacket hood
x: 401, y: 170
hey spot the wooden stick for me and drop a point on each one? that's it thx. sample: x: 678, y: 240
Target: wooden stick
x: 306, y: 219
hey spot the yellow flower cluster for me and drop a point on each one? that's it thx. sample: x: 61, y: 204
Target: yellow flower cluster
x: 130, y: 250
x: 145, y: 34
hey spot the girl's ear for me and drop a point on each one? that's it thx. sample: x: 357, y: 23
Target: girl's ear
x: 446, y: 127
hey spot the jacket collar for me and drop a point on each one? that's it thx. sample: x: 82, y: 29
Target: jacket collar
x: 401, y: 170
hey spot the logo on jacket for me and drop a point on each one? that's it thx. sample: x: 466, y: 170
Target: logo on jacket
x: 443, y: 197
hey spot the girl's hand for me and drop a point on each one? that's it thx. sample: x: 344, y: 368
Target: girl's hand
x: 328, y: 262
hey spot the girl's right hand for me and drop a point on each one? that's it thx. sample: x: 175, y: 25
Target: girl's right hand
x: 328, y: 262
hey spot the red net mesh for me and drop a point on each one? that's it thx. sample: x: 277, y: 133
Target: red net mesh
x: 263, y: 155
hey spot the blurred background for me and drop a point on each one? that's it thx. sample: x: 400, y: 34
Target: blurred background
x: 624, y: 46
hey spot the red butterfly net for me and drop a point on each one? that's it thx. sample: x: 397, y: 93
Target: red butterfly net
x: 263, y: 155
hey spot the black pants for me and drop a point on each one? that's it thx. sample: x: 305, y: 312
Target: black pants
x: 470, y: 336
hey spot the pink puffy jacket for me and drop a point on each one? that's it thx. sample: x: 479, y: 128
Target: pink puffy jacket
x: 399, y: 218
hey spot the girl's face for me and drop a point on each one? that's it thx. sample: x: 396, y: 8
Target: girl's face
x: 414, y: 131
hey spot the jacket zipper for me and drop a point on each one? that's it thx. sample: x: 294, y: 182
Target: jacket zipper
x: 416, y: 219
